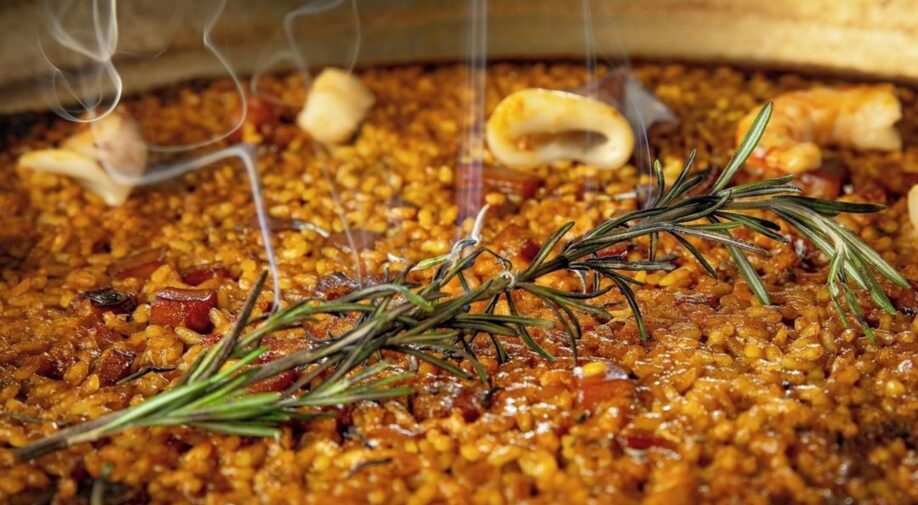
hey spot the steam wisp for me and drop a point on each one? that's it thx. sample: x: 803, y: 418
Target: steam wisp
x: 472, y: 150
x: 100, y: 50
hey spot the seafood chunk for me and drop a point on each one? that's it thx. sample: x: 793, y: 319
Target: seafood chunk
x: 115, y: 141
x: 100, y: 158
x: 535, y: 126
x: 860, y: 117
x: 336, y: 106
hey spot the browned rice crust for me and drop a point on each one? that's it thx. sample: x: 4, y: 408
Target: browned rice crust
x: 734, y: 402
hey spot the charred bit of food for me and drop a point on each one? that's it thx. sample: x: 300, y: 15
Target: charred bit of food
x: 428, y: 325
x: 110, y: 300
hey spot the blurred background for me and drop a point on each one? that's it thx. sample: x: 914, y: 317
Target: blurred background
x: 163, y: 41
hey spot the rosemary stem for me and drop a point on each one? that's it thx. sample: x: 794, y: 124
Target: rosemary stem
x: 64, y: 438
x: 309, y: 356
x: 430, y: 324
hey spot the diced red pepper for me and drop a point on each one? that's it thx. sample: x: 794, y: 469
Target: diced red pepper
x: 826, y: 181
x: 55, y: 362
x: 514, y: 242
x: 199, y: 274
x: 184, y: 307
x: 498, y: 179
x: 528, y: 250
x: 260, y: 111
x: 114, y: 365
x: 277, y: 383
x: 140, y: 265
x: 470, y: 189
x: 104, y: 336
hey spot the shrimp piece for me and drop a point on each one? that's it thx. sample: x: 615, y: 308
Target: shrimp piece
x: 860, y: 117
x: 534, y: 126
x: 113, y: 143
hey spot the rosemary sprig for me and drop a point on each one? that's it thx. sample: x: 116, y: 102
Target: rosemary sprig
x: 427, y: 324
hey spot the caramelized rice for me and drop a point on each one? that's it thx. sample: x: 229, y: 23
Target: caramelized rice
x: 729, y: 402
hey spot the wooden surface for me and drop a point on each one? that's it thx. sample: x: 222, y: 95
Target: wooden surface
x: 876, y: 38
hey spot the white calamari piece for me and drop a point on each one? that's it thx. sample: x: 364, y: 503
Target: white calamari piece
x: 536, y: 126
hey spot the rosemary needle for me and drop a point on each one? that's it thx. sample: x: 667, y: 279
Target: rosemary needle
x: 425, y: 323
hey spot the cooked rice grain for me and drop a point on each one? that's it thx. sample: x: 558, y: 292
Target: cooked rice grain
x: 730, y: 402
